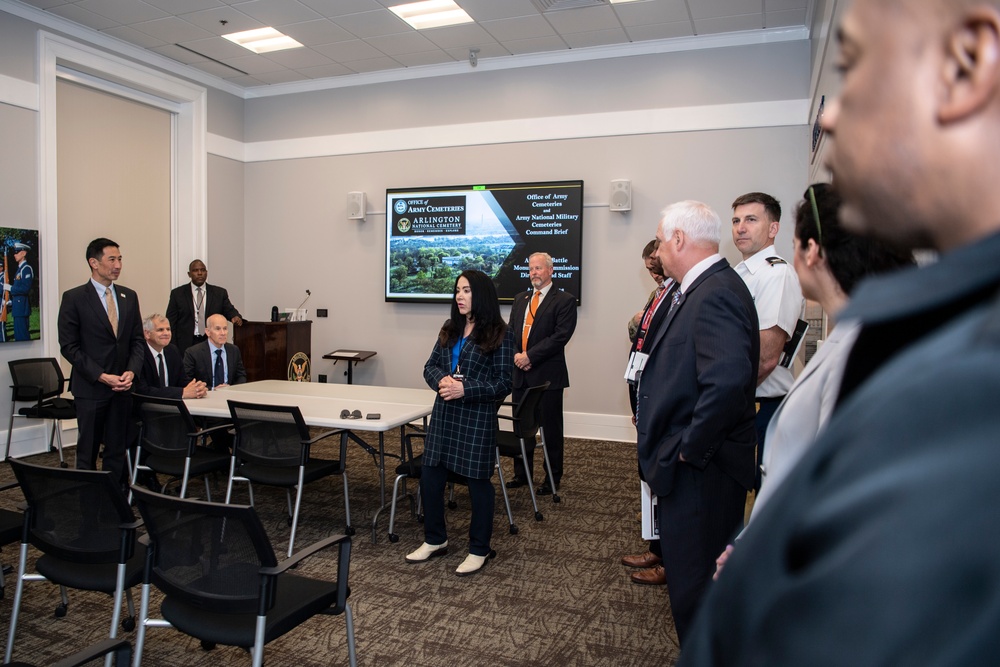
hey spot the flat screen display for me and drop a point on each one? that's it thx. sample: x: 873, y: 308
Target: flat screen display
x: 435, y: 233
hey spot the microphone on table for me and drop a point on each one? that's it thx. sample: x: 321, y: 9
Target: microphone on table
x: 308, y: 294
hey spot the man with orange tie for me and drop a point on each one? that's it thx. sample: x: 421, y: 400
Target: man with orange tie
x: 543, y: 320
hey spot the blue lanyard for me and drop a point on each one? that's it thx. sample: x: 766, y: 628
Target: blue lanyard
x: 456, y: 352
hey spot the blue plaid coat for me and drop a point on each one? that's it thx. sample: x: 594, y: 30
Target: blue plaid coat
x: 462, y: 433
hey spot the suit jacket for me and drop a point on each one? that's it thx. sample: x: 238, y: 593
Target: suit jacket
x: 180, y: 311
x: 876, y: 547
x: 696, y: 392
x: 87, y: 341
x: 552, y: 328
x: 462, y: 433
x: 148, y: 382
x: 199, y: 364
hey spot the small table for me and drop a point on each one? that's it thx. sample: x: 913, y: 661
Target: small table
x: 351, y: 357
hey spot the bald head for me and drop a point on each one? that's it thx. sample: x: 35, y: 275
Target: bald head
x: 915, y: 129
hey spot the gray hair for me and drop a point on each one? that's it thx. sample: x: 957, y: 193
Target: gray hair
x: 697, y: 220
x: 544, y: 255
x: 149, y: 322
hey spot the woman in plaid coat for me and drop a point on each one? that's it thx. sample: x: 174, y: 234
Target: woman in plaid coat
x: 470, y: 367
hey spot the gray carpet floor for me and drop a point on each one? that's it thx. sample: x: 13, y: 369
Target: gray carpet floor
x: 555, y: 595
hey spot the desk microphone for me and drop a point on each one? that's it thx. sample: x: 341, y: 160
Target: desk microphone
x: 308, y: 294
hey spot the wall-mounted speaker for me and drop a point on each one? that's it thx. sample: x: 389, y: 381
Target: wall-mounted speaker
x: 355, y: 205
x: 621, y: 195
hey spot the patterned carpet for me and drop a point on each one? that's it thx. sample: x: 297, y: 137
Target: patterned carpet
x: 555, y: 595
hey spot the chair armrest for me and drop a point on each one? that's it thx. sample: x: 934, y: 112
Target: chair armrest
x: 321, y: 436
x: 299, y: 556
x: 120, y: 647
x: 210, y: 430
x: 6, y: 486
x: 507, y: 417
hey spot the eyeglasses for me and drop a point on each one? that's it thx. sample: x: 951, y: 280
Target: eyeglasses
x: 347, y: 414
x: 815, y: 210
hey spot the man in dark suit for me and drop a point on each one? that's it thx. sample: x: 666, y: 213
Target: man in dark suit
x: 215, y: 362
x: 695, y: 413
x: 543, y: 320
x: 100, y: 334
x: 881, y: 547
x: 191, y: 305
x: 163, y: 367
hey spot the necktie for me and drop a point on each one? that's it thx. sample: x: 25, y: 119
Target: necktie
x: 199, y: 305
x: 529, y: 319
x: 109, y: 299
x: 220, y: 372
x: 159, y: 367
x: 675, y: 300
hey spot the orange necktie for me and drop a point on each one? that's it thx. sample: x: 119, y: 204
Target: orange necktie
x: 529, y: 319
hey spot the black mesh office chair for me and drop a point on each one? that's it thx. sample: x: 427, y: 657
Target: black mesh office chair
x: 221, y: 581
x: 41, y: 383
x: 411, y: 467
x: 273, y: 448
x: 168, y: 443
x: 525, y: 434
x: 83, y: 526
x: 11, y: 527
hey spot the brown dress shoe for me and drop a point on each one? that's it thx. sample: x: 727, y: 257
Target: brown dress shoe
x: 648, y: 559
x: 654, y: 576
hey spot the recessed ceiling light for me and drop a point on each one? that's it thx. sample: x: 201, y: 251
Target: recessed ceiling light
x: 263, y: 40
x: 431, y: 14
x: 621, y: 2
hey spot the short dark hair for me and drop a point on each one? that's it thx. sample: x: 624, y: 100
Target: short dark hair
x: 490, y: 327
x: 849, y: 256
x: 771, y: 205
x: 95, y: 249
x: 650, y: 248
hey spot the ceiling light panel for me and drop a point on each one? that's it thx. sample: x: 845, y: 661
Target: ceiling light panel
x: 263, y: 40
x: 431, y: 14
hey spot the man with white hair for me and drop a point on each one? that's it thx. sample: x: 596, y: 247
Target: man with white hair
x: 695, y: 416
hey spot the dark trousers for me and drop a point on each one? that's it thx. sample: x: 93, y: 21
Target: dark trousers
x: 551, y: 419
x: 104, y: 420
x: 433, y: 480
x: 767, y: 408
x: 697, y: 520
x: 21, y: 328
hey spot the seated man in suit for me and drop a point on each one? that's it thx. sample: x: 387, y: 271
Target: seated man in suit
x: 162, y: 372
x: 215, y: 362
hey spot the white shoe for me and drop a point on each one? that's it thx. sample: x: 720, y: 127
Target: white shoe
x: 473, y: 564
x: 426, y: 552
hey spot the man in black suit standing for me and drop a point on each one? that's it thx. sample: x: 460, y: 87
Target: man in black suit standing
x: 543, y: 320
x: 100, y: 334
x: 163, y: 367
x: 695, y: 415
x: 193, y: 303
x: 215, y: 362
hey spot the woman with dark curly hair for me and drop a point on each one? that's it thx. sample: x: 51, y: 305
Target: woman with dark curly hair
x: 470, y: 368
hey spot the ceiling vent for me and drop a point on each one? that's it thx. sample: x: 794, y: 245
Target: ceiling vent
x: 557, y: 5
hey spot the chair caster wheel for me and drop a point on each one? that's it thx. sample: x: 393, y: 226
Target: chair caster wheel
x: 128, y: 624
x: 60, y: 611
x: 393, y: 538
x: 349, y: 530
x: 63, y: 464
x: 452, y: 504
x: 207, y: 646
x: 556, y: 499
x: 538, y: 516
x: 513, y: 529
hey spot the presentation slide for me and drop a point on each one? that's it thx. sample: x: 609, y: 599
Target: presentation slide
x: 433, y: 234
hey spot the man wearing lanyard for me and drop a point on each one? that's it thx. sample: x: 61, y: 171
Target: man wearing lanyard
x: 651, y: 571
x: 193, y: 303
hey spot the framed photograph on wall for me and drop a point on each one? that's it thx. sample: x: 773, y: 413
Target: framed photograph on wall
x: 20, y: 316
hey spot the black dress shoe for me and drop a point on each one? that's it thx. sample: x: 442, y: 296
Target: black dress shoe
x: 517, y: 483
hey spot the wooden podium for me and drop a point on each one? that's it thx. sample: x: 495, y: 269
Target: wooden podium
x: 268, y: 348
